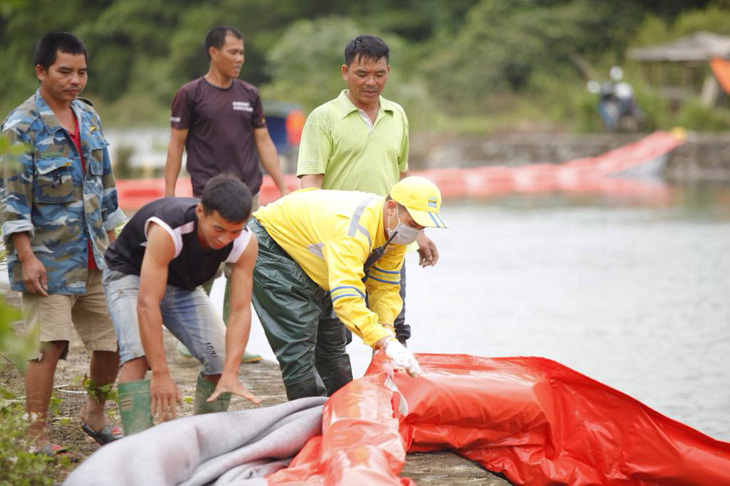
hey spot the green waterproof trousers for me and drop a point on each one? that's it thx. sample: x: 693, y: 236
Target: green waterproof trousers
x: 311, y: 352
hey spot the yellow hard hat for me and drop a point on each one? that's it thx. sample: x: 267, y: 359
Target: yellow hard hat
x: 421, y: 198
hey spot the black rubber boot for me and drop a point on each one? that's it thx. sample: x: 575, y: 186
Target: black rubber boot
x: 335, y: 374
x: 402, y: 333
x: 312, y: 387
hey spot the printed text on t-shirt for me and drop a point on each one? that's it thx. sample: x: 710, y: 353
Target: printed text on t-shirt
x: 242, y: 106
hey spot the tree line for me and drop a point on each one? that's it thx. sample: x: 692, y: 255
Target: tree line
x: 448, y: 57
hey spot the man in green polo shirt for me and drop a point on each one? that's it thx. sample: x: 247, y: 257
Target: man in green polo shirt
x: 359, y: 142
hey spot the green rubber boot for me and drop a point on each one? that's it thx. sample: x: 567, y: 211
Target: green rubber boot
x: 134, y: 406
x: 203, y: 391
x: 183, y: 351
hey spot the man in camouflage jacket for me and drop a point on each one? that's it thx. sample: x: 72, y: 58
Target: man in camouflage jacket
x: 59, y: 210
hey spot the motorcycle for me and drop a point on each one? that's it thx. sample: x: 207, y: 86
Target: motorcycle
x: 617, y: 105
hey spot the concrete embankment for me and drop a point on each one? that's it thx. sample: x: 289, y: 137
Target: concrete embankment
x: 702, y: 156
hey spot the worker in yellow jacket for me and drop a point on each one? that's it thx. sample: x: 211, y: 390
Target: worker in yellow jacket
x: 321, y: 250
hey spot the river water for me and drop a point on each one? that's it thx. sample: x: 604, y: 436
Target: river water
x: 633, y: 293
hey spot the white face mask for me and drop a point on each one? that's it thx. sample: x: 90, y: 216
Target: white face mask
x: 404, y: 234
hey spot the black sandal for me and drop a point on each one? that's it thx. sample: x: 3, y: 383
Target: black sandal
x: 109, y: 433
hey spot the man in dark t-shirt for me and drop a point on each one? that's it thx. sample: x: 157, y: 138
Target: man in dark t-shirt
x: 219, y: 121
x: 220, y: 125
x: 152, y: 277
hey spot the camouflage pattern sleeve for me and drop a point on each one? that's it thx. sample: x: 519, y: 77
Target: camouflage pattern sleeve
x: 16, y: 183
x: 111, y: 214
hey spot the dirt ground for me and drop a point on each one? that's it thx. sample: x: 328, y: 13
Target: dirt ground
x: 264, y: 379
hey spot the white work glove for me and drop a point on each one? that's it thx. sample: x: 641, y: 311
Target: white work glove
x: 401, y: 357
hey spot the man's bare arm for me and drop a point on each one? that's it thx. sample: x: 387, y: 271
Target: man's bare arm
x: 312, y: 180
x: 173, y: 163
x: 152, y: 283
x: 238, y: 326
x: 269, y: 158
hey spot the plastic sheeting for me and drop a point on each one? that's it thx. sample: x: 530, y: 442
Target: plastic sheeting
x: 532, y: 419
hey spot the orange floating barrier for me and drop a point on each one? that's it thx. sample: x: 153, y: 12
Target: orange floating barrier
x: 536, y: 178
x: 269, y: 192
x: 450, y: 181
x: 135, y: 193
x: 580, y: 176
x: 489, y: 182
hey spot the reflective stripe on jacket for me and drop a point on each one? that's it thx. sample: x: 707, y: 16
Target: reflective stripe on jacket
x: 330, y: 234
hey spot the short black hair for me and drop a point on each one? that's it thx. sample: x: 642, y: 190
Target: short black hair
x: 366, y: 47
x: 216, y: 37
x: 229, y: 196
x: 47, y: 48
